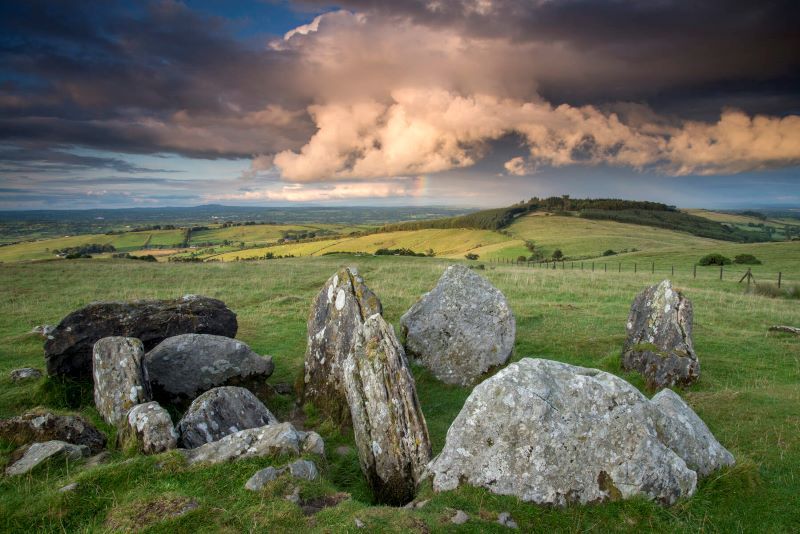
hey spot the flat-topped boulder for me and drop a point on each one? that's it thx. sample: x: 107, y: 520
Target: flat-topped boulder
x: 390, y: 431
x: 39, y: 453
x: 461, y: 328
x: 182, y: 367
x: 46, y: 426
x: 219, y: 412
x: 659, y: 338
x: 148, y: 427
x: 341, y: 306
x: 552, y: 433
x: 68, y: 349
x: 270, y: 440
x: 120, y: 378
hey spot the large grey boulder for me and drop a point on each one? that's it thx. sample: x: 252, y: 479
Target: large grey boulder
x: 659, y: 338
x: 461, y: 328
x: 219, y: 412
x: 47, y: 426
x: 684, y: 432
x: 182, y: 367
x: 39, y: 453
x: 149, y: 427
x: 341, y: 306
x: 552, y: 433
x: 68, y: 349
x: 270, y: 440
x: 120, y: 378
x: 390, y: 431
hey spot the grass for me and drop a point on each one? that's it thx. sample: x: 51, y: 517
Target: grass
x: 748, y: 394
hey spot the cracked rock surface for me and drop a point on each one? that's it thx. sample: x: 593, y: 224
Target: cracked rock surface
x: 150, y: 425
x: 120, y: 378
x: 659, y: 338
x: 552, y: 433
x: 461, y: 328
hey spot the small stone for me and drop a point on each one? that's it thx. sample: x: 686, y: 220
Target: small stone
x: 97, y: 459
x: 420, y: 504
x: 39, y: 453
x: 26, y: 373
x: 313, y: 443
x: 43, y: 330
x: 460, y: 518
x: 359, y: 523
x: 283, y: 388
x: 294, y: 497
x: 261, y: 478
x: 151, y: 427
x: 68, y: 488
x: 304, y: 469
x: 505, y: 519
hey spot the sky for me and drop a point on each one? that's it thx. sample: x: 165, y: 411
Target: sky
x: 363, y: 102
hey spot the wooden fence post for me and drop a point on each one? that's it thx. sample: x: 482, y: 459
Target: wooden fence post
x: 779, y: 280
x: 581, y: 266
x: 695, y: 271
x: 634, y: 267
x: 605, y: 267
x: 673, y: 270
x: 720, y: 272
x: 619, y: 265
x: 654, y: 268
x: 592, y: 266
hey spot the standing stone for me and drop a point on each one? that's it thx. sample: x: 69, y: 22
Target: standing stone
x: 39, y: 453
x: 120, y: 379
x: 219, y: 412
x: 685, y: 433
x: 149, y: 426
x: 47, y: 426
x: 68, y: 349
x: 552, y: 433
x: 461, y: 328
x: 659, y: 342
x: 343, y: 304
x: 390, y: 430
x: 182, y: 367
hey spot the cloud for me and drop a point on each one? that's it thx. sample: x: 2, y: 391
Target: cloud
x: 518, y: 167
x: 408, y: 188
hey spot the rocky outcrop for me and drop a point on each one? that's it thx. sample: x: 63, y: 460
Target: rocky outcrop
x: 303, y: 469
x: 46, y: 426
x: 68, y: 349
x: 120, y: 379
x: 552, y: 433
x: 390, y: 431
x: 659, y: 338
x: 39, y: 453
x: 25, y: 373
x: 270, y: 440
x: 684, y: 432
x: 182, y: 367
x: 149, y: 427
x: 343, y: 304
x: 219, y: 412
x: 461, y: 328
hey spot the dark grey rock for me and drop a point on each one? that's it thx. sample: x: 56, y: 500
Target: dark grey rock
x: 505, y: 519
x: 120, y: 379
x: 261, y: 478
x: 149, y: 426
x: 552, y: 433
x: 26, y: 373
x: 659, y: 338
x: 47, y: 426
x: 461, y: 328
x: 342, y: 305
x: 39, y: 453
x: 460, y: 517
x: 68, y: 349
x: 305, y: 469
x: 390, y: 431
x: 270, y: 440
x: 182, y: 367
x: 219, y: 412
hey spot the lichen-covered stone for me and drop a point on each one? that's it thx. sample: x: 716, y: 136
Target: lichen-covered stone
x: 685, y: 433
x: 47, y: 426
x: 270, y: 440
x: 39, y: 453
x: 182, y: 367
x: 219, y: 412
x: 390, y: 431
x: 461, y: 328
x: 120, y: 378
x: 149, y: 426
x: 25, y: 373
x: 343, y: 304
x: 68, y: 349
x: 659, y: 338
x: 552, y: 433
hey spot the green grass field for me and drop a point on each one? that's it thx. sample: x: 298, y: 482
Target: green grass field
x: 748, y: 394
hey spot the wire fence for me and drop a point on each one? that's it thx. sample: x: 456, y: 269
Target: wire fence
x: 736, y: 273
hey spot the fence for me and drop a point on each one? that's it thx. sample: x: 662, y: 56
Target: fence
x: 722, y: 272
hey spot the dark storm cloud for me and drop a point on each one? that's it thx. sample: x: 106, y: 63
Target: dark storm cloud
x: 45, y: 160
